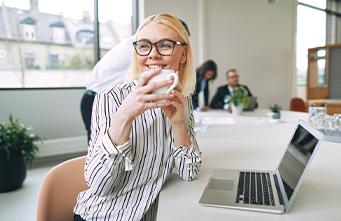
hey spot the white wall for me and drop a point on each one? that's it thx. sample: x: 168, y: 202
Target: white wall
x: 253, y: 36
x: 54, y: 115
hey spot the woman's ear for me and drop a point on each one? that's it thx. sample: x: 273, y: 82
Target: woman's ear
x: 183, y: 55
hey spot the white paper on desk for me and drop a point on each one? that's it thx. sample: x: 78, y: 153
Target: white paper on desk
x: 218, y: 121
x: 200, y: 128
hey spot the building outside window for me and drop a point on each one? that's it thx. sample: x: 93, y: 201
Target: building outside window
x: 46, y: 43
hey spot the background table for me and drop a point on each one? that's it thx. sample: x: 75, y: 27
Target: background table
x: 254, y: 143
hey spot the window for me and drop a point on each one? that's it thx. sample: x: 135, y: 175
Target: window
x: 58, y: 32
x: 311, y: 32
x: 85, y: 37
x: 29, y: 60
x: 315, y: 3
x: 321, y: 65
x: 318, y: 24
x: 29, y: 32
x: 53, y: 60
x: 48, y: 43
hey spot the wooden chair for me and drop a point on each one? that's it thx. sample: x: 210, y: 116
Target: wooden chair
x: 59, y: 190
x: 297, y: 104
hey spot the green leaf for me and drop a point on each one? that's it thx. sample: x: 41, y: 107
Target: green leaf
x: 240, y: 95
x: 276, y: 108
x: 18, y: 138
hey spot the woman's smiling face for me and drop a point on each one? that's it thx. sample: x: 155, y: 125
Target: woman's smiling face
x: 154, y: 32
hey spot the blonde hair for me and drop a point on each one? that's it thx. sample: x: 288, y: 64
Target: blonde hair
x: 187, y: 76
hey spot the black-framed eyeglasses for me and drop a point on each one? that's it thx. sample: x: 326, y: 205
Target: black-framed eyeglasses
x: 163, y: 47
x: 235, y: 76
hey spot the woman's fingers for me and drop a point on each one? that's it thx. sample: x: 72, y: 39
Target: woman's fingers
x: 146, y: 76
x: 158, y: 97
x: 147, y: 88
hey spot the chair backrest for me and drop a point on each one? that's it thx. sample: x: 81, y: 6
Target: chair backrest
x: 297, y: 104
x: 59, y: 190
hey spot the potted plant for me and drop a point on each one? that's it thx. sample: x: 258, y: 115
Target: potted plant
x: 17, y: 147
x: 276, y: 111
x: 238, y: 100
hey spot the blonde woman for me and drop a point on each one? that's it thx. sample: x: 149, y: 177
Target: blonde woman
x: 135, y: 142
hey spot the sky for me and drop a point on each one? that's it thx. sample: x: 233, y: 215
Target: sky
x: 119, y: 11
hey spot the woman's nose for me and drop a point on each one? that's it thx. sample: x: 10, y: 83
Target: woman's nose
x: 154, y: 52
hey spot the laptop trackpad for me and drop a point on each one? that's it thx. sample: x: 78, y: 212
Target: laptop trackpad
x: 221, y: 184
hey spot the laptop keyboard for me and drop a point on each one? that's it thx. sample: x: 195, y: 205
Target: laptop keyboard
x: 255, y: 188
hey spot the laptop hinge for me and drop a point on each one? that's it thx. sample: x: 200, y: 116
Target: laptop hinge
x: 278, y: 190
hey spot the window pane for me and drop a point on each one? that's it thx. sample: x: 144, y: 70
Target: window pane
x: 316, y: 3
x: 115, y: 23
x: 311, y: 32
x: 321, y: 53
x: 46, y: 43
x: 321, y: 66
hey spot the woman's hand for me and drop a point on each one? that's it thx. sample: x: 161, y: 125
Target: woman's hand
x: 137, y: 102
x: 175, y: 106
x: 175, y: 111
x: 140, y: 99
x: 205, y: 108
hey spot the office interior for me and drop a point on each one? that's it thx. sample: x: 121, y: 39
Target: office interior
x: 256, y: 37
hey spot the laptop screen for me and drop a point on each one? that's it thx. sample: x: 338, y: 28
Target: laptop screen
x: 296, y: 158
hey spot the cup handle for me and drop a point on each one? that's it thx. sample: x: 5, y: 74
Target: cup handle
x: 176, y: 80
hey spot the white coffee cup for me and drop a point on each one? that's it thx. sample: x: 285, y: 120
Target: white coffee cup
x: 165, y: 75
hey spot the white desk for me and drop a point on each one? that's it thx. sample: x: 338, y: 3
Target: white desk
x: 254, y: 144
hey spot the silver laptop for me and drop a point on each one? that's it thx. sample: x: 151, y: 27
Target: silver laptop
x: 266, y: 191
x: 252, y: 104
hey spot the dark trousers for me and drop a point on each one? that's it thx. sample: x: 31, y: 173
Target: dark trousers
x: 77, y: 218
x: 86, y: 110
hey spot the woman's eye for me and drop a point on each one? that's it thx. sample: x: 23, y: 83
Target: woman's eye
x: 165, y: 45
x: 144, y: 46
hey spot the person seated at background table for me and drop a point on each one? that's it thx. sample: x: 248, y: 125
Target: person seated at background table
x: 232, y: 79
x: 205, y: 73
x: 135, y: 141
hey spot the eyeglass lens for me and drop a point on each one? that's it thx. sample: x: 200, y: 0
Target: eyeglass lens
x: 164, y: 47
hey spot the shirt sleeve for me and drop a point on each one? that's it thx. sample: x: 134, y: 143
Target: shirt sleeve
x: 105, y: 161
x: 188, y: 161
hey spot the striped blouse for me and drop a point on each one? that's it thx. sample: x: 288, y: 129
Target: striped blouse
x: 125, y: 180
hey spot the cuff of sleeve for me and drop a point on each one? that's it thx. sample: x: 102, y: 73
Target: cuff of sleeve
x: 183, y: 151
x: 110, y: 149
x: 191, y: 158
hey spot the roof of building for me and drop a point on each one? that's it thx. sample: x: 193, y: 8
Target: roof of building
x: 12, y: 21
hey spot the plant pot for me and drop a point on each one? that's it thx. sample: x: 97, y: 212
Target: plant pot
x: 12, y: 172
x: 237, y: 110
x: 276, y: 115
